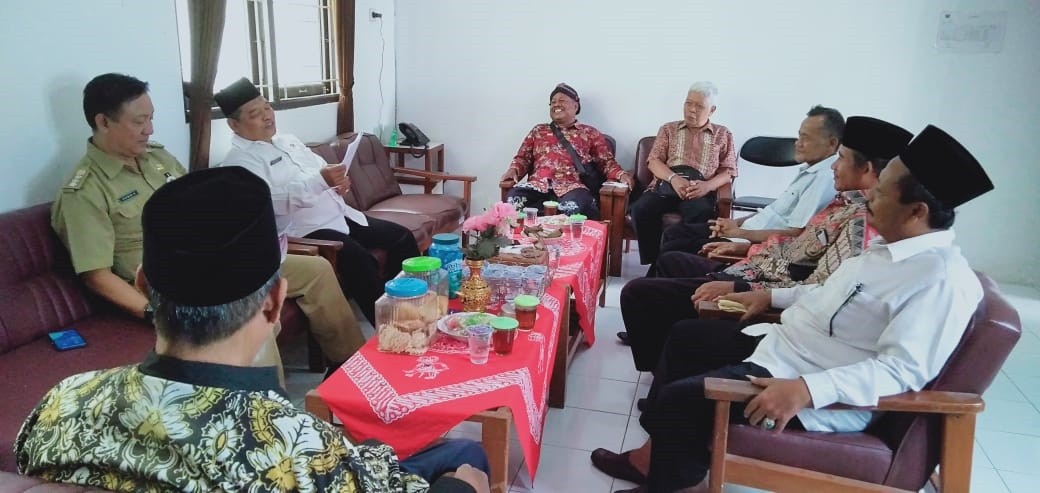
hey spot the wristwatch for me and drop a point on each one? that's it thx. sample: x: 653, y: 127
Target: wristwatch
x: 149, y: 313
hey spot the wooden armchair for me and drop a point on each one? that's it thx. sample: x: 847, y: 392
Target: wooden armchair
x: 640, y: 172
x: 900, y: 450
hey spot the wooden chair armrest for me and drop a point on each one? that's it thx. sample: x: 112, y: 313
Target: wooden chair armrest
x: 435, y: 175
x: 335, y: 245
x: 329, y: 250
x: 709, y: 310
x: 611, y: 190
x: 724, y: 200
x: 725, y: 258
x: 296, y: 249
x: 924, y: 401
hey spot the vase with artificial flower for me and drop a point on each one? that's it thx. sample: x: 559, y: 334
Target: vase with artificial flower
x: 485, y: 241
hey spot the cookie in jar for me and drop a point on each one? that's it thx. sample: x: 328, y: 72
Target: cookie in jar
x: 406, y: 317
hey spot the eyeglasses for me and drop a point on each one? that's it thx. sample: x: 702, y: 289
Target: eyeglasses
x: 855, y: 289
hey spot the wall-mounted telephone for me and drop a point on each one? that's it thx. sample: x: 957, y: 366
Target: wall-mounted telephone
x: 413, y: 137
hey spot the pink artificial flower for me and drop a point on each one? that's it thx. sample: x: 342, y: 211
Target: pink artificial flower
x: 474, y: 224
x: 502, y: 211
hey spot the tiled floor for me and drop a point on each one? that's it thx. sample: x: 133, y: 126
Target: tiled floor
x: 603, y: 387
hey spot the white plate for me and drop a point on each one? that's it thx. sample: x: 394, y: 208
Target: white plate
x: 460, y: 334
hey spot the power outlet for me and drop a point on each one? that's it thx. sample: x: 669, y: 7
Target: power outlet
x: 374, y: 14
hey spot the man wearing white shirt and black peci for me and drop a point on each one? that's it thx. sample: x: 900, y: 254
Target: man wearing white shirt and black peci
x: 883, y: 323
x: 307, y: 194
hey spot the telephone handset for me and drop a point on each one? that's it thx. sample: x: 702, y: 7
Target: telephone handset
x: 413, y: 137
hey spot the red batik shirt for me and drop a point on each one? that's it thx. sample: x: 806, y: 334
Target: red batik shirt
x: 548, y: 164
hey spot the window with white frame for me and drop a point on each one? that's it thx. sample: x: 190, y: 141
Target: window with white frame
x: 285, y: 47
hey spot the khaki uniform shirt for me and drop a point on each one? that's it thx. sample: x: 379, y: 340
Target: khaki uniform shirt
x: 97, y: 214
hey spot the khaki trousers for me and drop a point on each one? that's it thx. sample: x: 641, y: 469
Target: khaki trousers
x: 312, y: 282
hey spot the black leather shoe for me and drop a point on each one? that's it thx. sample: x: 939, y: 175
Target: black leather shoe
x: 623, y: 337
x: 616, y: 466
x: 641, y: 404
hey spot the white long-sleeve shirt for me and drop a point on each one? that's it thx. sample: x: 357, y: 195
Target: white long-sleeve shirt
x: 809, y: 192
x: 898, y: 311
x: 303, y: 202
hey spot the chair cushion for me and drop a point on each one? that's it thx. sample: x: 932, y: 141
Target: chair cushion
x: 446, y: 211
x: 32, y: 369
x: 372, y: 178
x: 420, y: 225
x: 852, y: 455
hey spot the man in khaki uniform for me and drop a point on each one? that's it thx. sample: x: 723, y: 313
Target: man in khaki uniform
x: 97, y: 215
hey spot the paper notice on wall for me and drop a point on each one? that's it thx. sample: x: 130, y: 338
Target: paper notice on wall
x: 348, y: 157
x: 971, y: 32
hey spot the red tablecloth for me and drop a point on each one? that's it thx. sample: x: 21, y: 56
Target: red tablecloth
x: 580, y: 266
x: 409, y: 401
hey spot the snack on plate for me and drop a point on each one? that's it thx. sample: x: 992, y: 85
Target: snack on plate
x: 731, y: 306
x: 456, y: 324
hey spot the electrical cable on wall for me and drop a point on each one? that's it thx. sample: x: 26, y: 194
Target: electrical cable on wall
x: 382, y: 55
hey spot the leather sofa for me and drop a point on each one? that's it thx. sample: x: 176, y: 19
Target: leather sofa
x: 376, y: 190
x: 40, y: 293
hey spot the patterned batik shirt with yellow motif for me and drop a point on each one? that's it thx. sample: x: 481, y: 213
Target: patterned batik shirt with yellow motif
x: 838, y: 232
x: 195, y: 427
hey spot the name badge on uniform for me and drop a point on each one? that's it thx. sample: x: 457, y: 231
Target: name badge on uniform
x: 822, y: 236
x: 128, y: 196
x: 276, y: 160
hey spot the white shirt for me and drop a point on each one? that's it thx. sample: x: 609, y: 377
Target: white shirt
x: 809, y: 192
x: 893, y: 335
x: 303, y: 202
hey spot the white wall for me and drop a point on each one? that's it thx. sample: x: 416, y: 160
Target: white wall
x: 48, y: 57
x: 50, y: 51
x: 374, y: 97
x: 477, y: 75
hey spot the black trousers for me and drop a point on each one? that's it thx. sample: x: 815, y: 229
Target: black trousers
x: 680, y: 428
x: 359, y: 274
x: 651, y: 305
x: 646, y: 218
x: 686, y: 237
x: 582, y: 197
x: 698, y: 346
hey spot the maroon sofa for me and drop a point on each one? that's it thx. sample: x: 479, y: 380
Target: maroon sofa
x: 40, y: 293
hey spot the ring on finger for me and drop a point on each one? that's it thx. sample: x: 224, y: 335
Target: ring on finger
x: 769, y: 423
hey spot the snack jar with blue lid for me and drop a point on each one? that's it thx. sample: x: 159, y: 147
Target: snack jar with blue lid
x: 406, y: 316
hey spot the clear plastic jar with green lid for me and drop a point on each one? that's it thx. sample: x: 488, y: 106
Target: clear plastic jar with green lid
x: 429, y: 269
